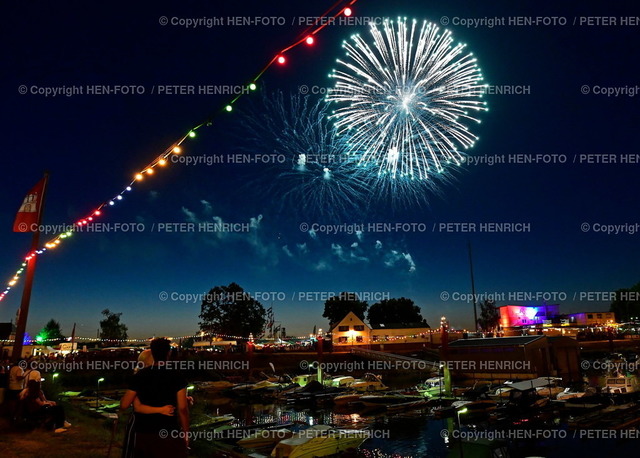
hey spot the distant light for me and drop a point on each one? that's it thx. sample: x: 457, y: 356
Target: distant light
x: 309, y: 40
x: 177, y: 149
x: 192, y: 134
x: 120, y: 197
x: 281, y: 60
x: 101, y: 379
x: 162, y: 162
x: 138, y: 177
x: 128, y: 188
x: 149, y: 171
x: 348, y: 12
x: 228, y: 108
x: 253, y: 86
x: 97, y: 213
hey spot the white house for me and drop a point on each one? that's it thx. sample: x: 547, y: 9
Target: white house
x: 352, y: 330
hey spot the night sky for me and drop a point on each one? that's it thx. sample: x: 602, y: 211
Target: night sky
x: 94, y: 144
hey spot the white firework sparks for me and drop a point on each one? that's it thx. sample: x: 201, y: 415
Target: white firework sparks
x: 404, y: 100
x: 313, y: 175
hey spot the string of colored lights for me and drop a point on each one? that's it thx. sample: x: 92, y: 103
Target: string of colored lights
x: 341, y: 7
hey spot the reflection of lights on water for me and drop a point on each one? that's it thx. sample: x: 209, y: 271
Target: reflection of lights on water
x: 377, y: 453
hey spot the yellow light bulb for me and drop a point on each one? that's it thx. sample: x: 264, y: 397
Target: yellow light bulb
x: 139, y: 176
x: 177, y: 150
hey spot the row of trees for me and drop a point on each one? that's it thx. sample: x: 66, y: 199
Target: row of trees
x: 398, y: 311
x: 111, y: 328
x: 229, y: 310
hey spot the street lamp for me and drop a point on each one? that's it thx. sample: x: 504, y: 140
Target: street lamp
x: 465, y: 410
x: 101, y: 379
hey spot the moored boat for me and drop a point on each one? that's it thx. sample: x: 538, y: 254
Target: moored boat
x: 319, y: 440
x: 370, y: 382
x: 387, y: 399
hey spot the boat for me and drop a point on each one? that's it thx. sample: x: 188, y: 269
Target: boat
x: 370, y: 382
x: 212, y: 422
x: 264, y: 438
x: 568, y: 393
x: 552, y: 389
x: 346, y: 399
x: 339, y: 381
x: 480, y: 407
x: 255, y: 388
x: 214, y: 386
x: 387, y: 399
x: 621, y: 385
x: 551, y: 392
x: 319, y: 440
x: 501, y: 393
x: 432, y: 387
x: 303, y: 380
x: 312, y: 392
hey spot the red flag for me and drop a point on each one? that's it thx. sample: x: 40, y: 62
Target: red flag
x: 29, y: 212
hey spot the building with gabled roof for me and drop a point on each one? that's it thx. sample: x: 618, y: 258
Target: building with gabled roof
x: 352, y: 330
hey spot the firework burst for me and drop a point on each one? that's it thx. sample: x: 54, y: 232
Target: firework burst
x: 312, y: 173
x: 404, y: 100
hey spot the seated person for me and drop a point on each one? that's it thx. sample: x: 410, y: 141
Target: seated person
x: 35, y: 404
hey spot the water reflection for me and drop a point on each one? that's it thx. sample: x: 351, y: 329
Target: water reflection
x: 410, y: 434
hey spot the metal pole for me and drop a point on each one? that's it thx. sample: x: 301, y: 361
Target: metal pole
x: 21, y: 325
x: 473, y: 288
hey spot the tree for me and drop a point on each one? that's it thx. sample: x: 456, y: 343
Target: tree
x: 489, y: 316
x: 337, y: 307
x: 111, y: 328
x: 50, y: 333
x: 230, y: 311
x: 400, y: 311
x: 626, y: 304
x: 188, y: 342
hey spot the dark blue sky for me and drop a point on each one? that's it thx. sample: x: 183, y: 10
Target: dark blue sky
x: 93, y: 144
